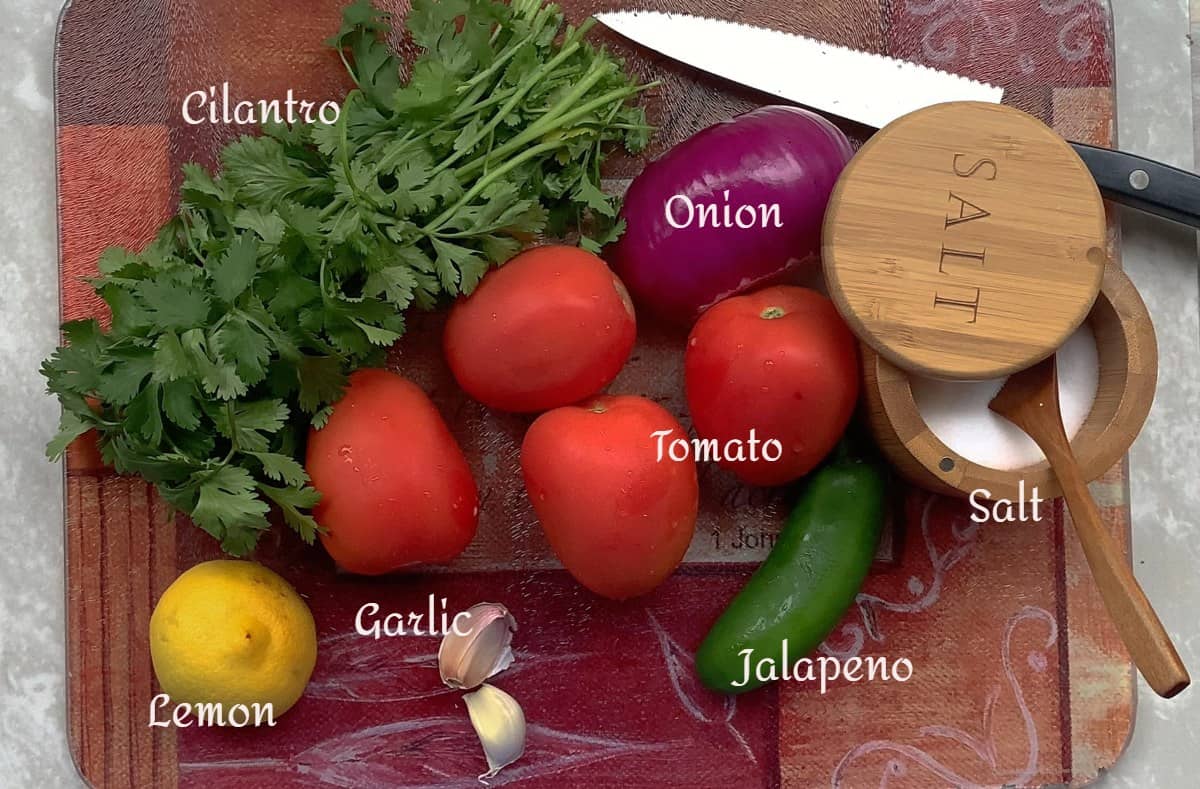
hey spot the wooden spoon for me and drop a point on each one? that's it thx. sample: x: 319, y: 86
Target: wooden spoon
x: 1030, y: 401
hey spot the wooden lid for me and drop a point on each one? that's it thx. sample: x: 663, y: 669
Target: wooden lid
x: 965, y: 241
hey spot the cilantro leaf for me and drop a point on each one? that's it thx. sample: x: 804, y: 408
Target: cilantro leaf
x: 76, y: 368
x: 292, y: 501
x: 172, y: 305
x: 321, y: 381
x: 218, y: 378
x: 261, y: 173
x: 171, y: 361
x: 609, y: 236
x: 235, y: 270
x: 222, y: 382
x: 282, y: 468
x: 458, y: 267
x: 250, y: 425
x: 590, y: 195
x: 179, y: 401
x: 70, y: 427
x: 144, y: 415
x: 241, y: 541
x: 128, y: 455
x: 321, y: 417
x: 116, y: 260
x: 243, y: 346
x: 201, y: 189
x: 292, y: 294
x: 266, y: 223
x: 500, y: 249
x: 376, y: 70
x: 123, y: 377
x: 434, y: 86
x: 396, y: 283
x: 228, y: 509
x: 377, y: 335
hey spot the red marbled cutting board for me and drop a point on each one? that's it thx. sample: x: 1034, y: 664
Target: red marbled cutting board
x: 1019, y: 679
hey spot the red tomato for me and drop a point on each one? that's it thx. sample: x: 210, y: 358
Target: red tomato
x: 780, y: 362
x: 618, y: 518
x: 395, y: 487
x: 550, y: 327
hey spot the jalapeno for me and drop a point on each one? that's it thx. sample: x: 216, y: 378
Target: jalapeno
x: 810, y: 578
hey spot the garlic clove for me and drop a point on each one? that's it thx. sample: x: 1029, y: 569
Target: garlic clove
x: 499, y: 723
x: 479, y: 648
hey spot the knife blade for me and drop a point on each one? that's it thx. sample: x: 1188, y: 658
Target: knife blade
x: 859, y: 86
x: 876, y: 89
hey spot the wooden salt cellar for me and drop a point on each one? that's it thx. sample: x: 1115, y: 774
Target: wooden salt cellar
x: 1128, y: 358
x: 965, y: 241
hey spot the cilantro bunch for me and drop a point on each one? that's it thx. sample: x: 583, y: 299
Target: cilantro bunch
x: 235, y: 330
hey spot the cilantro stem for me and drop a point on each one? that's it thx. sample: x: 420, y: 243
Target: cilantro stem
x: 229, y: 414
x: 597, y: 148
x: 187, y: 237
x: 626, y: 126
x: 468, y: 101
x: 344, y: 152
x: 521, y: 92
x: 491, y: 145
x: 488, y: 180
x: 361, y: 199
x: 541, y: 127
x: 594, y: 75
x: 233, y: 448
x: 475, y: 88
x: 349, y: 68
x: 463, y: 110
x: 616, y: 95
x: 398, y: 151
x: 500, y: 62
x: 578, y: 33
x: 510, y: 98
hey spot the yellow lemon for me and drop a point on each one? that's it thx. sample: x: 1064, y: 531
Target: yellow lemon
x: 232, y: 632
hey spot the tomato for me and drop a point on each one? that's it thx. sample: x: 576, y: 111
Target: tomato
x: 780, y: 362
x: 550, y: 327
x: 395, y: 487
x: 618, y: 518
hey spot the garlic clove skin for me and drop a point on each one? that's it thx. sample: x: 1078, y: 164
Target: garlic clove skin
x: 499, y: 722
x: 478, y: 649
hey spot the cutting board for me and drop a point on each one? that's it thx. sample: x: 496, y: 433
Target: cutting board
x: 1018, y: 678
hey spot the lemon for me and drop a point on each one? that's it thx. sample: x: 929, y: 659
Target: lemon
x: 232, y: 632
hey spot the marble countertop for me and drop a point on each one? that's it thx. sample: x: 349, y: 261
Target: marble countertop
x: 1154, y: 119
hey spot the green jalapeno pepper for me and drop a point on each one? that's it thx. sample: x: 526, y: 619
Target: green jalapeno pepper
x: 808, y: 581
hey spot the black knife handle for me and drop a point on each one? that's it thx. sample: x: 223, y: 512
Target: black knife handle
x: 1144, y: 184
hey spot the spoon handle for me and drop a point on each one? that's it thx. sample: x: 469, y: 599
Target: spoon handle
x: 1139, y: 626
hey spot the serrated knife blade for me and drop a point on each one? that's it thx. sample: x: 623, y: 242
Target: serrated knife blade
x: 859, y: 86
x: 875, y: 90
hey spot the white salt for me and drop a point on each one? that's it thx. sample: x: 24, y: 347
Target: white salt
x: 957, y: 411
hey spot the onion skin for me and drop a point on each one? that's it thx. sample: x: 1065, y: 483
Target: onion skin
x: 772, y: 155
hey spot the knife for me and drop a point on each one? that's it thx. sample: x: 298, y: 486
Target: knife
x: 875, y: 90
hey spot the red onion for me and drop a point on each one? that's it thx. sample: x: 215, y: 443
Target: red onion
x: 730, y: 208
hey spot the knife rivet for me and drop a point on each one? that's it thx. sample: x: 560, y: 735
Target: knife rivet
x: 1139, y: 179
